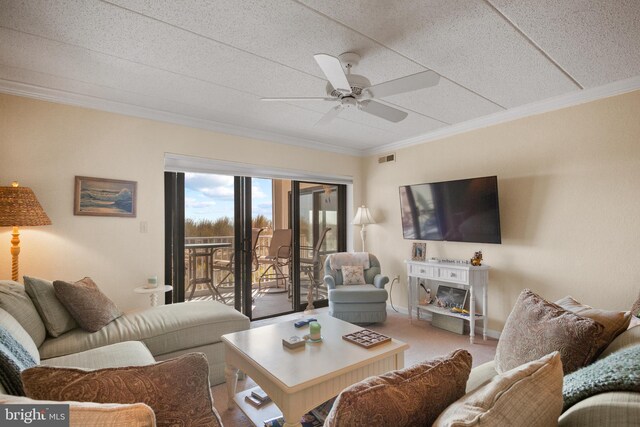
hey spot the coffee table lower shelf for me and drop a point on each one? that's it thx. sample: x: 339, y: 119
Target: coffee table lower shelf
x: 257, y: 415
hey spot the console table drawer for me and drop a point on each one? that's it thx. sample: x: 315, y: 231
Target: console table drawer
x: 454, y: 275
x: 422, y: 271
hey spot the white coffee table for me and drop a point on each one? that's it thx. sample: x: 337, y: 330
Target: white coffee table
x: 301, y: 379
x: 153, y: 292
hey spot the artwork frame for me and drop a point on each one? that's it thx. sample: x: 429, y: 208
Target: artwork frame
x: 448, y: 296
x: 419, y: 251
x: 105, y: 197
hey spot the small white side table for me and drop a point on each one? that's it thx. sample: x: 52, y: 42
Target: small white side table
x: 153, y: 292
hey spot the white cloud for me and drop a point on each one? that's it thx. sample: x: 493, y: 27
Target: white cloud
x: 212, y: 186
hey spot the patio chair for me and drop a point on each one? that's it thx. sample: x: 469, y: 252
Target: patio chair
x: 277, y: 259
x: 363, y: 303
x: 227, y: 266
x: 312, y: 268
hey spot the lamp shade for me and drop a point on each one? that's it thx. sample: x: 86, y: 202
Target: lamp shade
x: 363, y: 217
x: 19, y: 207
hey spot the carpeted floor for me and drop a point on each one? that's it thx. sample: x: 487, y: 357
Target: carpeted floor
x: 425, y: 342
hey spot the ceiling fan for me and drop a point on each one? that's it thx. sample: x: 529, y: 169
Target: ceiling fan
x: 355, y: 91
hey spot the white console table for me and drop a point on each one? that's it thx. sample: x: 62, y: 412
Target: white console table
x: 475, y: 279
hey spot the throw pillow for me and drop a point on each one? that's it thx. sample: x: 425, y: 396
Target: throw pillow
x: 57, y: 319
x: 176, y: 389
x: 15, y: 301
x: 537, y: 327
x: 92, y: 309
x: 353, y: 275
x: 614, y: 322
x: 14, y: 358
x: 407, y: 397
x: 619, y: 371
x: 529, y: 395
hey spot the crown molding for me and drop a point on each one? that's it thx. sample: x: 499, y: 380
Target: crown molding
x: 86, y: 101
x: 539, y: 107
x: 547, y: 105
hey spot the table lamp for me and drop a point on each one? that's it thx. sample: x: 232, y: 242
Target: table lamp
x: 19, y: 207
x: 362, y: 218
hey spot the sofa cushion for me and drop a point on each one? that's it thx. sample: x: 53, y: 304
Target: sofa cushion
x: 529, y: 395
x: 480, y: 375
x: 96, y: 414
x: 357, y: 294
x: 614, y: 322
x: 164, y: 329
x: 619, y: 371
x: 537, y: 327
x: 128, y: 353
x: 612, y: 409
x: 92, y: 309
x: 17, y: 303
x: 414, y: 396
x: 628, y: 338
x: 56, y: 318
x: 353, y: 275
x: 14, y: 359
x: 177, y: 389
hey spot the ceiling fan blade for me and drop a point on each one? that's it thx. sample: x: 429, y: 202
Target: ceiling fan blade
x: 332, y: 69
x: 330, y: 115
x: 383, y: 111
x: 405, y: 84
x: 298, y: 99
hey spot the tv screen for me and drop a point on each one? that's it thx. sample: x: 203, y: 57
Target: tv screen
x: 465, y: 210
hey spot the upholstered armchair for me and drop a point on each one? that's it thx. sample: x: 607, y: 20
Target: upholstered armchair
x: 365, y: 302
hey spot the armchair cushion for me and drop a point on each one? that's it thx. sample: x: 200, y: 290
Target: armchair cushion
x: 177, y: 389
x: 353, y: 275
x: 358, y: 294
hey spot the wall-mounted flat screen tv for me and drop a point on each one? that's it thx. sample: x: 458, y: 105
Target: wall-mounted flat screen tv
x: 465, y: 210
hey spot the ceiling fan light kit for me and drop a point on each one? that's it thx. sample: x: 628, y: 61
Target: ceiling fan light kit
x: 354, y: 90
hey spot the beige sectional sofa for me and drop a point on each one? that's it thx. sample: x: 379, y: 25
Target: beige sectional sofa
x: 136, y: 338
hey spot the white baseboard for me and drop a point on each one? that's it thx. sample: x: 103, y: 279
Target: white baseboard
x: 427, y: 317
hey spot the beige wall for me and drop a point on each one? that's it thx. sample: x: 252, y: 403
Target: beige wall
x: 44, y: 145
x: 569, y: 203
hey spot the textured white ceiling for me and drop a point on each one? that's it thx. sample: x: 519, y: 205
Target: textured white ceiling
x: 208, y: 63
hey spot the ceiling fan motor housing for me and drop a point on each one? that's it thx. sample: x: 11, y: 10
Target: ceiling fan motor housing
x: 357, y: 83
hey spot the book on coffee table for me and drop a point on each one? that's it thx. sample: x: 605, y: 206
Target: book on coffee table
x: 260, y: 394
x: 253, y: 401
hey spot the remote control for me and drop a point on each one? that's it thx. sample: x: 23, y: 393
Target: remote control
x: 301, y: 323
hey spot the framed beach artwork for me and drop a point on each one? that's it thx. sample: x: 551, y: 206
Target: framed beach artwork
x: 104, y: 197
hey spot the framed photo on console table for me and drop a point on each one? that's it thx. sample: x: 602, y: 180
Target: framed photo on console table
x: 104, y: 197
x: 419, y: 252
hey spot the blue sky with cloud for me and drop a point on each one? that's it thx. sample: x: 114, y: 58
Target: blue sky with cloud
x: 208, y: 196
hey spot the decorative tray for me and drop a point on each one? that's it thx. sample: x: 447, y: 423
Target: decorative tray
x: 366, y: 338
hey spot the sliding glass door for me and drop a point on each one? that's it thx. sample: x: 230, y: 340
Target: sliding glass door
x: 256, y: 244
x: 320, y: 231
